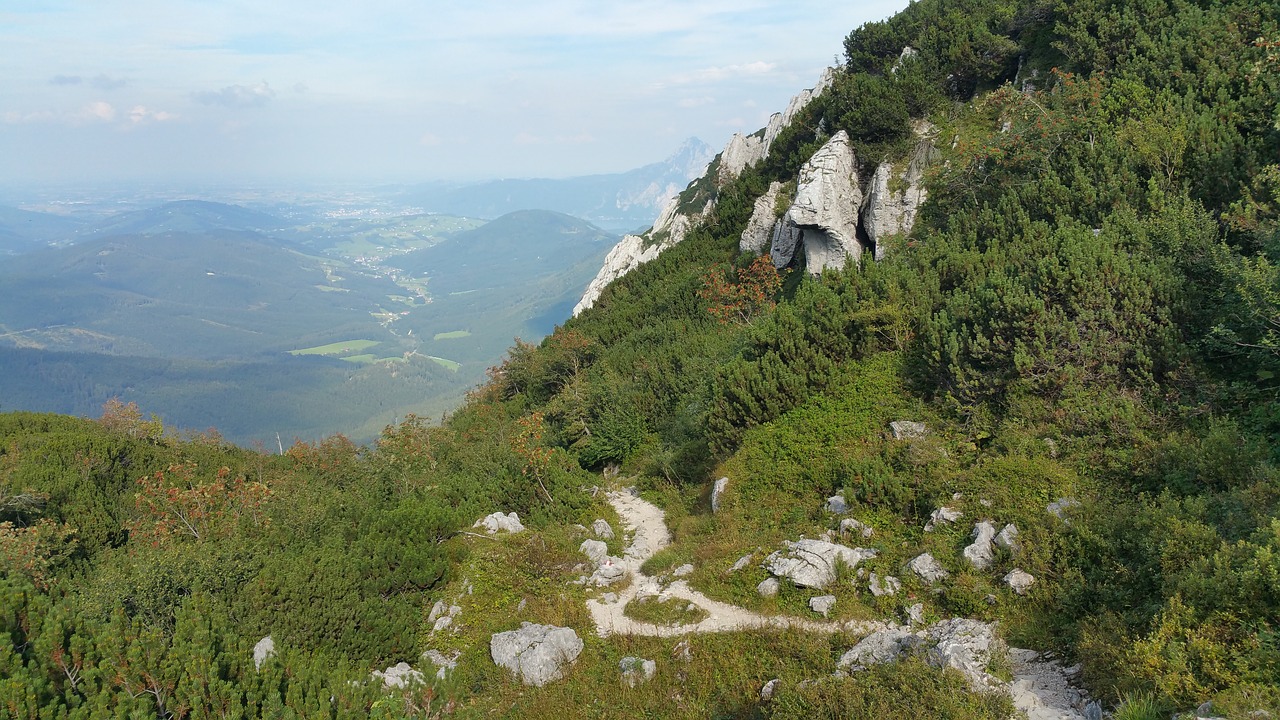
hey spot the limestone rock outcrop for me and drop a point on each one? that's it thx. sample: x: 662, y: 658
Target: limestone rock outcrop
x: 892, y: 202
x: 717, y: 491
x: 265, y: 648
x: 637, y: 670
x: 497, y: 522
x: 960, y: 643
x: 400, y: 675
x: 759, y: 233
x: 741, y: 152
x: 981, y: 552
x: 812, y: 563
x: 602, y: 529
x: 537, y: 653
x: 825, y: 209
x: 928, y: 569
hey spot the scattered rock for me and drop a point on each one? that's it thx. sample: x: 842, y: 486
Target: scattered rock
x: 965, y: 645
x: 915, y: 614
x: 683, y: 570
x: 1205, y: 709
x: 981, y: 553
x: 682, y: 651
x: 602, y: 529
x: 822, y: 604
x: 942, y: 516
x: 436, y: 611
x: 537, y: 653
x: 812, y: 563
x: 927, y: 568
x: 265, y: 648
x: 888, y: 585
x: 881, y: 646
x: 908, y: 430
x: 637, y: 670
x: 444, y: 665
x: 497, y: 522
x: 443, y: 621
x: 849, y: 525
x: 595, y: 550
x: 717, y: 491
x: 768, y: 587
x: 1058, y: 508
x: 836, y: 505
x: 609, y: 572
x: 609, y: 598
x: 399, y: 675
x: 766, y: 692
x: 1019, y: 581
x: 1008, y: 538
x: 742, y: 562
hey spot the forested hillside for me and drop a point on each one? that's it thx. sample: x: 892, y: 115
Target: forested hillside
x: 1085, y: 317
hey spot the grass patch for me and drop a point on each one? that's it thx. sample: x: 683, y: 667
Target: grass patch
x: 452, y: 335
x: 670, y: 611
x: 337, y: 348
x: 445, y: 362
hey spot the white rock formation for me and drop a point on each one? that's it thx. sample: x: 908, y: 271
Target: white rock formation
x: 812, y: 563
x: 768, y: 587
x: 849, y: 525
x: 1019, y: 581
x: 497, y: 522
x: 982, y: 552
x: 965, y: 645
x: 889, y: 211
x: 626, y: 256
x: 887, y: 585
x: 928, y: 568
x: 741, y: 152
x: 717, y: 491
x: 265, y: 648
x: 399, y: 675
x: 537, y: 653
x: 908, y: 430
x: 826, y: 207
x: 637, y: 670
x: 595, y: 550
x: 610, y: 571
x: 741, y: 562
x: 879, y: 647
x: 1008, y: 538
x: 779, y: 121
x: 683, y: 571
x: 942, y: 516
x: 837, y: 505
x: 759, y: 233
x: 444, y: 664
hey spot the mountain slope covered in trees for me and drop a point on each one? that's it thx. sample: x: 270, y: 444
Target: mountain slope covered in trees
x: 1085, y: 312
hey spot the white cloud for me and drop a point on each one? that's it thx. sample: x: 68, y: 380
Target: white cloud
x: 100, y: 110
x: 721, y: 73
x: 140, y: 114
x: 239, y: 96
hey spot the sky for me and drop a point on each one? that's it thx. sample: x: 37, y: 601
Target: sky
x: 287, y: 91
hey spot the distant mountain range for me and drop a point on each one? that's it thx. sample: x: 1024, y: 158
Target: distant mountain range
x: 619, y: 202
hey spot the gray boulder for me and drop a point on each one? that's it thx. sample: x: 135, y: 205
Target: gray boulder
x: 812, y: 563
x: 915, y: 614
x: 443, y: 663
x: 942, y: 516
x: 1019, y: 581
x: 397, y: 676
x: 826, y: 206
x: 1058, y: 508
x: 609, y: 572
x: 683, y: 570
x: 908, y: 430
x: 928, y: 569
x: 766, y: 692
x: 768, y: 587
x: 822, y: 604
x: 602, y: 529
x: 849, y: 525
x: 879, y: 647
x: 981, y: 553
x: 882, y: 586
x: 836, y: 505
x: 1008, y: 538
x: 742, y: 562
x: 537, y: 653
x: 786, y: 239
x: 265, y: 648
x: 965, y: 645
x: 637, y: 670
x: 595, y: 550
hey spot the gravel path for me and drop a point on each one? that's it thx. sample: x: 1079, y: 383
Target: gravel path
x: 1040, y: 688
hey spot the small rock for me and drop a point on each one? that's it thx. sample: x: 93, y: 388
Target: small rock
x: 444, y: 665
x: 888, y: 585
x: 1059, y: 507
x: 608, y: 573
x: 682, y: 651
x: 595, y: 550
x: 928, y: 569
x: 497, y: 522
x: 683, y: 570
x: 436, y: 611
x: 915, y: 614
x: 822, y: 604
x: 942, y: 516
x: 537, y: 653
x: 602, y: 529
x: 717, y: 491
x: 768, y: 587
x: 1019, y: 581
x: 1093, y: 711
x: 989, y: 599
x: 766, y: 692
x: 265, y: 648
x: 849, y: 525
x: 742, y: 562
x: 908, y: 430
x: 836, y: 505
x: 609, y: 598
x: 981, y: 553
x: 812, y: 563
x: 1008, y: 538
x: 522, y: 605
x: 637, y: 670
x: 399, y: 675
x: 1205, y: 709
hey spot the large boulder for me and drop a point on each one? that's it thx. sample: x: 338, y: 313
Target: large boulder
x: 537, y: 653
x: 826, y: 206
x: 595, y: 550
x: 879, y: 647
x: 812, y: 563
x: 759, y: 232
x: 497, y: 522
x: 400, y: 675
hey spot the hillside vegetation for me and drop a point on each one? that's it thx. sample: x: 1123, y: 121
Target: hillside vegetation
x: 1087, y: 312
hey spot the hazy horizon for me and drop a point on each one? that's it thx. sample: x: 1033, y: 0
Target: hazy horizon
x: 242, y: 93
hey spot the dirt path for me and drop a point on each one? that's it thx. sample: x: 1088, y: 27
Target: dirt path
x: 1040, y: 687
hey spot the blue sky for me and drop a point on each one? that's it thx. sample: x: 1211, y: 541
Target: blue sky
x: 393, y: 90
